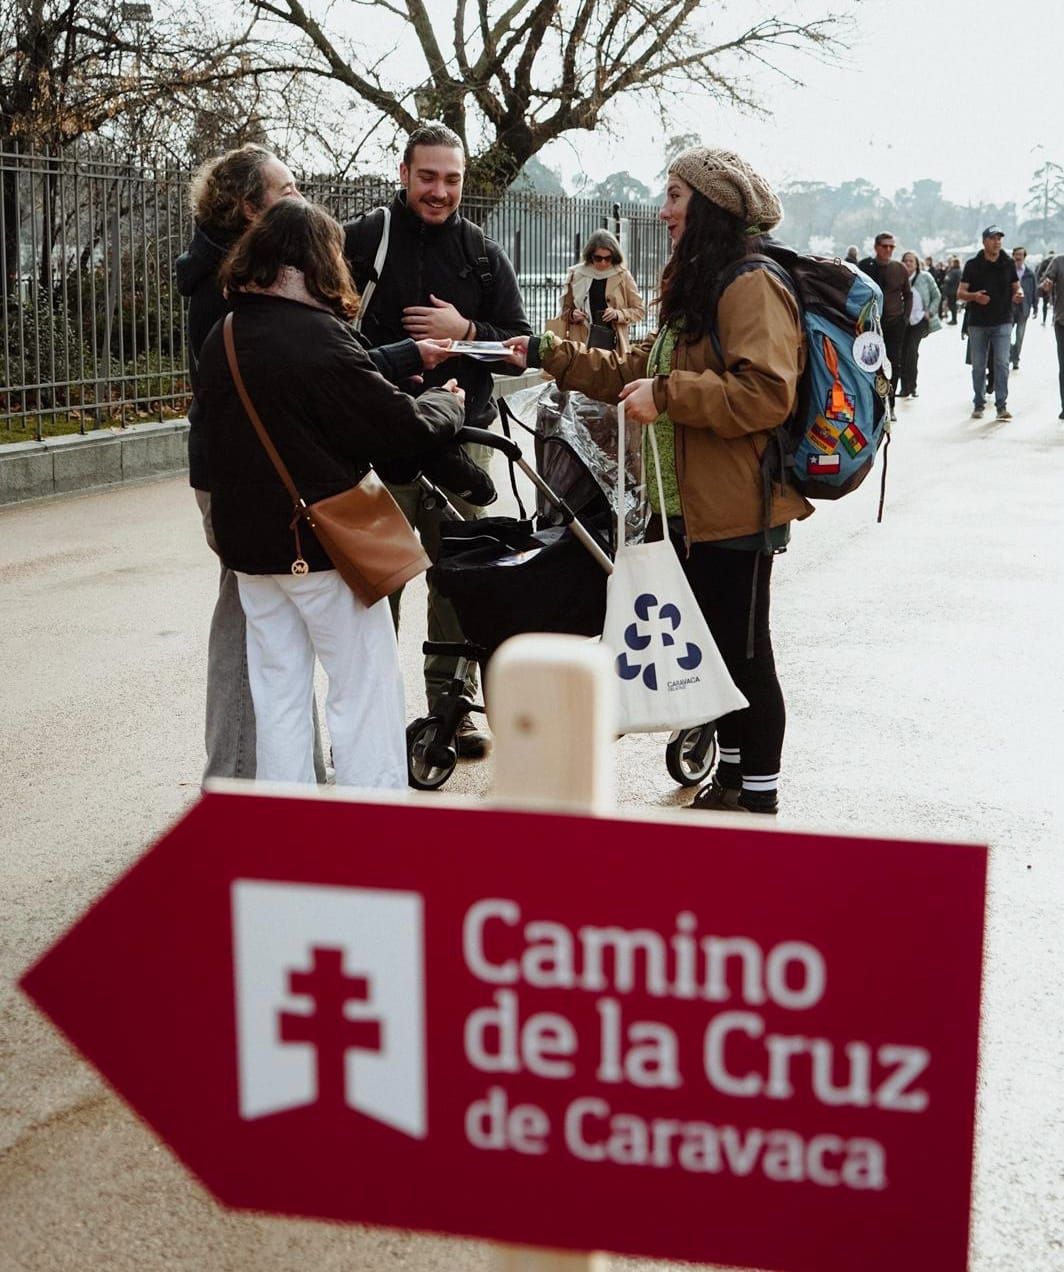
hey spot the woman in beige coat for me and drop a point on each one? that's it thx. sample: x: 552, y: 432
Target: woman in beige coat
x: 601, y: 292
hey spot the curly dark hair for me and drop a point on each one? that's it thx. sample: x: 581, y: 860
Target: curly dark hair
x: 711, y: 241
x: 304, y: 236
x: 220, y: 187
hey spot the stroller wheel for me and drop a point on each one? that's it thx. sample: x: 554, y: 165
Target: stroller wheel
x: 430, y: 754
x: 691, y: 754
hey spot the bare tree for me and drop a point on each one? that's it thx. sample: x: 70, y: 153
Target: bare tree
x: 1046, y: 193
x: 509, y: 76
x: 113, y: 72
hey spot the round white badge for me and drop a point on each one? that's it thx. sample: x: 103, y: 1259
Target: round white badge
x: 868, y: 350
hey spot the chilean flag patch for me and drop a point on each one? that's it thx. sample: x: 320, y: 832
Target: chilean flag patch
x: 825, y: 465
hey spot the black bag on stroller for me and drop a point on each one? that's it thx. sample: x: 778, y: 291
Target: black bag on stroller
x: 504, y: 577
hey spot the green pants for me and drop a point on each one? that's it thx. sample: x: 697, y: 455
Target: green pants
x: 442, y: 620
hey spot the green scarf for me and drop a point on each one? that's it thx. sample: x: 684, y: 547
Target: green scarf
x: 660, y: 363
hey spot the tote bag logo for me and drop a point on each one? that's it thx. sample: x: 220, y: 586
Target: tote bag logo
x: 653, y: 636
x: 330, y: 1001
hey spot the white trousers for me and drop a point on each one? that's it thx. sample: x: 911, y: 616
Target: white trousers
x: 289, y: 620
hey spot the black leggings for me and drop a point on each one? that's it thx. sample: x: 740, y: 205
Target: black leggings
x: 732, y: 590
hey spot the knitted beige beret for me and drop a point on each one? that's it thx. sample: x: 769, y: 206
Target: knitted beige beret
x: 730, y: 183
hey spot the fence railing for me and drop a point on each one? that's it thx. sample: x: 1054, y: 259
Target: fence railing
x: 94, y: 327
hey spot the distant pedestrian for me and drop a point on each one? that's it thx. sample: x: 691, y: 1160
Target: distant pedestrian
x: 989, y: 288
x: 1021, y: 311
x: 897, y: 302
x: 1053, y: 283
x: 950, y: 284
x: 923, y: 319
x: 852, y: 254
x: 600, y: 298
x: 1043, y: 268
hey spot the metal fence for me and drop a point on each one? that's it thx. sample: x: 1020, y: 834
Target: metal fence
x: 94, y: 328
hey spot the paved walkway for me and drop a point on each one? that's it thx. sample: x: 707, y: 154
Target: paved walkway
x: 921, y: 664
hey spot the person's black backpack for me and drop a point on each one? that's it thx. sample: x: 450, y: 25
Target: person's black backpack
x: 366, y: 248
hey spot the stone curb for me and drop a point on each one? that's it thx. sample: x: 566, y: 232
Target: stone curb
x: 92, y: 461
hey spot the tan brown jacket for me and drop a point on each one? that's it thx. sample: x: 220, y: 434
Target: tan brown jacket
x: 621, y: 294
x: 723, y: 410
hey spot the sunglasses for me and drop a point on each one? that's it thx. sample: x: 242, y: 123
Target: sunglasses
x: 597, y: 256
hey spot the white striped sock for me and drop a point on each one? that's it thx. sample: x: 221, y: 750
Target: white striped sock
x: 729, y: 755
x: 764, y: 783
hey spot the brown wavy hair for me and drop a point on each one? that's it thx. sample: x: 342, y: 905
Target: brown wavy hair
x: 304, y: 236
x: 221, y: 185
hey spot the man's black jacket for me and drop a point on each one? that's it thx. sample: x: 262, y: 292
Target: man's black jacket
x: 431, y: 260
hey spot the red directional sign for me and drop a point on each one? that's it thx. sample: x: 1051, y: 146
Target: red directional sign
x: 671, y: 1039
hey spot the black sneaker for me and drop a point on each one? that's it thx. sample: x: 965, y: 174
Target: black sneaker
x: 716, y: 797
x: 977, y: 413
x: 471, y: 741
x: 1003, y: 413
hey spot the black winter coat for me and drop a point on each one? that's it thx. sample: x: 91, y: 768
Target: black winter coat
x: 328, y: 411
x: 431, y: 260
x: 196, y: 271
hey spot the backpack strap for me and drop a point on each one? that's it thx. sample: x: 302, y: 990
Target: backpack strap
x: 475, y: 247
x: 378, y: 262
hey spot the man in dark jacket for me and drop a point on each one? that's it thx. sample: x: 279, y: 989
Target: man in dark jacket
x: 1021, y: 311
x: 893, y: 280
x: 990, y: 289
x: 440, y: 278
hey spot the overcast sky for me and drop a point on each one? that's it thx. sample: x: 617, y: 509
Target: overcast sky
x: 926, y: 91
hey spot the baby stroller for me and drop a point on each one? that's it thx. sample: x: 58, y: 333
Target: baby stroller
x: 509, y: 575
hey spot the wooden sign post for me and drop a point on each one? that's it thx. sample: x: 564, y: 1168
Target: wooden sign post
x: 553, y: 713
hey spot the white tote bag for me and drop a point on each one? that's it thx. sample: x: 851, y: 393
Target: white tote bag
x: 670, y: 674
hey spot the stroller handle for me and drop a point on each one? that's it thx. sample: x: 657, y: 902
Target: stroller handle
x: 484, y: 437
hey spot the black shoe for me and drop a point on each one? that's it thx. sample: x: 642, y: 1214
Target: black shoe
x: 731, y: 799
x: 716, y: 797
x: 977, y: 413
x: 1061, y: 416
x: 471, y: 742
x: 914, y: 394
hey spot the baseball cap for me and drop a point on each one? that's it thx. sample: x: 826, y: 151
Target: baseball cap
x: 993, y: 231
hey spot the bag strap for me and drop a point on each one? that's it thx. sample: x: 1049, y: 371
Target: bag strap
x: 621, y: 452
x: 253, y: 415
x: 378, y: 265
x: 505, y: 416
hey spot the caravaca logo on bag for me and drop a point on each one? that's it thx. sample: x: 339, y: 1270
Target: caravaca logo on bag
x: 330, y: 1001
x: 653, y: 635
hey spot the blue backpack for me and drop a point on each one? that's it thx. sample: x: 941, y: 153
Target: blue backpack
x: 828, y: 446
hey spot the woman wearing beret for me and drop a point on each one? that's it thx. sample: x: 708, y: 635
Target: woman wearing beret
x: 601, y: 292
x: 714, y: 389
